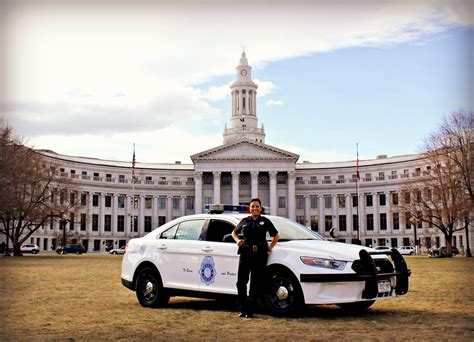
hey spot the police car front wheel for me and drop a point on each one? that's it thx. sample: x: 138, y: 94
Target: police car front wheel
x: 283, y: 295
x: 149, y: 289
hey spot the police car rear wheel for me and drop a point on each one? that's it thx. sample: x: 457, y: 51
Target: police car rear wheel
x: 283, y: 295
x: 149, y: 289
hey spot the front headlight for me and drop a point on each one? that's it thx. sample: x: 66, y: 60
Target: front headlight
x: 324, y: 263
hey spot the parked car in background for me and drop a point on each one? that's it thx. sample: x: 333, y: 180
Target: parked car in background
x: 383, y: 248
x: 116, y: 251
x: 75, y: 249
x: 406, y: 250
x: 443, y: 251
x: 30, y: 248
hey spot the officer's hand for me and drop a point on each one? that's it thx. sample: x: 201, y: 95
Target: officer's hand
x: 240, y: 243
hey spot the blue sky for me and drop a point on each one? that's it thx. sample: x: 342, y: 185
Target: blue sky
x: 91, y: 80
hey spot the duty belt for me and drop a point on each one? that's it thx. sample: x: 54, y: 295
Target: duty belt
x: 257, y: 247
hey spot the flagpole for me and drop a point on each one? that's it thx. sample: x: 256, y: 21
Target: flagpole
x: 132, y: 225
x: 357, y: 191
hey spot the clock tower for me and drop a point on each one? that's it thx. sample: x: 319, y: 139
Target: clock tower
x: 244, y: 122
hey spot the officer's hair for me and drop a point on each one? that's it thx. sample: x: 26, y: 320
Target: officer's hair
x: 256, y: 199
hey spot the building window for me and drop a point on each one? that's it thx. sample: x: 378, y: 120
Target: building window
x: 71, y: 221
x: 147, y: 224
x: 120, y: 223
x: 83, y: 222
x: 327, y: 223
x: 314, y: 222
x: 226, y: 179
x: 136, y: 202
x: 207, y: 178
x: 300, y: 219
x: 355, y: 223
x: 121, y: 178
x: 395, y: 198
x: 108, y: 201
x: 355, y: 201
x: 108, y: 223
x: 383, y: 221
x: 418, y: 196
x: 134, y: 224
x: 396, y: 221
x: 314, y: 202
x: 263, y: 179
x: 121, y: 202
x: 281, y: 202
x: 407, y: 220
x: 244, y: 179
x: 95, y: 222
x: 407, y: 197
x: 189, y: 203
x: 370, y: 221
x: 299, y: 202
x: 83, y: 200
x: 72, y: 198
x: 148, y: 202
x: 176, y: 201
x: 207, y: 200
x: 282, y: 178
x: 342, y: 223
x: 327, y: 202
x: 382, y: 200
x: 161, y: 220
x: 95, y: 200
x: 368, y: 200
x: 161, y: 202
x: 341, y: 199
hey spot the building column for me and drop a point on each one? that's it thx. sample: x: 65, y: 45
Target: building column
x: 376, y: 211
x: 141, y: 215
x: 169, y: 207
x: 254, y: 184
x: 217, y: 186
x: 273, y: 192
x: 198, y: 192
x: 128, y: 214
x: 235, y: 187
x: 183, y: 205
x: 321, y: 219
x: 89, y: 212
x: 101, y: 213
x: 291, y: 196
x: 155, y: 212
x: 114, y: 214
x: 307, y: 208
x: 388, y: 210
x: 348, y: 214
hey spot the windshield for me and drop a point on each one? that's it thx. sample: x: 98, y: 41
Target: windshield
x: 290, y: 230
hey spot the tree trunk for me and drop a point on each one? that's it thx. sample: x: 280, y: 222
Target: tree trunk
x: 468, y: 249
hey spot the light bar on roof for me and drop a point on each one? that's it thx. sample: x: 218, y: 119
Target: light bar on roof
x: 214, y: 208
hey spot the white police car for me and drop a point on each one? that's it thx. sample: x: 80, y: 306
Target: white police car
x: 194, y: 256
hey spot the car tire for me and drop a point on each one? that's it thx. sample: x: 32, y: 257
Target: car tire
x: 356, y: 307
x: 114, y: 253
x: 283, y: 295
x: 34, y: 251
x: 149, y: 289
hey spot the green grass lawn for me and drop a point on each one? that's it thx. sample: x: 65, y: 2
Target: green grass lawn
x: 52, y: 297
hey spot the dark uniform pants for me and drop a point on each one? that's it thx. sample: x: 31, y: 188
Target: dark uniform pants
x: 253, y: 264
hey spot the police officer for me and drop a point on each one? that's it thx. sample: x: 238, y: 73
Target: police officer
x: 253, y: 250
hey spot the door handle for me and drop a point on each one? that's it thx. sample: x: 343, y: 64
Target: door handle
x: 162, y: 247
x: 207, y: 249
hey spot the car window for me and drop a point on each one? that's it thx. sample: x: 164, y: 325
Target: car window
x: 217, y: 229
x: 290, y: 230
x: 189, y: 230
x: 169, y: 233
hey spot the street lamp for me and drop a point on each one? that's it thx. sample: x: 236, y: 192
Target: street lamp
x: 414, y: 221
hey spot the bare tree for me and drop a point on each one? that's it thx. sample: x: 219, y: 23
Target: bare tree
x: 33, y: 190
x: 442, y: 194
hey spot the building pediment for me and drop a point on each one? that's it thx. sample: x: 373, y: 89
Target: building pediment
x: 245, y: 150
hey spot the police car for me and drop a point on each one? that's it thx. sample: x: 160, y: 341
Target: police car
x: 195, y: 256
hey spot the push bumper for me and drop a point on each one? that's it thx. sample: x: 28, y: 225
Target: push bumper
x: 367, y: 270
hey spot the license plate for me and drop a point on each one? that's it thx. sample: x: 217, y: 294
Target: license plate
x: 384, y: 286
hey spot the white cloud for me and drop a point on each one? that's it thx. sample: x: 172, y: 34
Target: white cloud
x: 90, y: 68
x: 274, y: 103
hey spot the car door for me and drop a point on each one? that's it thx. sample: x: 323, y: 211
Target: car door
x: 219, y: 261
x: 178, y: 251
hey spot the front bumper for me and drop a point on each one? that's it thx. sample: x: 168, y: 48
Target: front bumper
x: 367, y: 271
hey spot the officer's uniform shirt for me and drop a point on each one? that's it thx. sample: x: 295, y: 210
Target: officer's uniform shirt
x: 255, y: 231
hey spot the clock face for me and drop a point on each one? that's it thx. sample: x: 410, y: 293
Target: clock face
x: 243, y: 72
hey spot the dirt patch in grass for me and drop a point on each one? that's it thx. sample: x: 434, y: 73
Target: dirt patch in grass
x: 71, y: 297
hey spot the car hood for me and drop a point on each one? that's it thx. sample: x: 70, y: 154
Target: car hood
x: 325, y: 249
